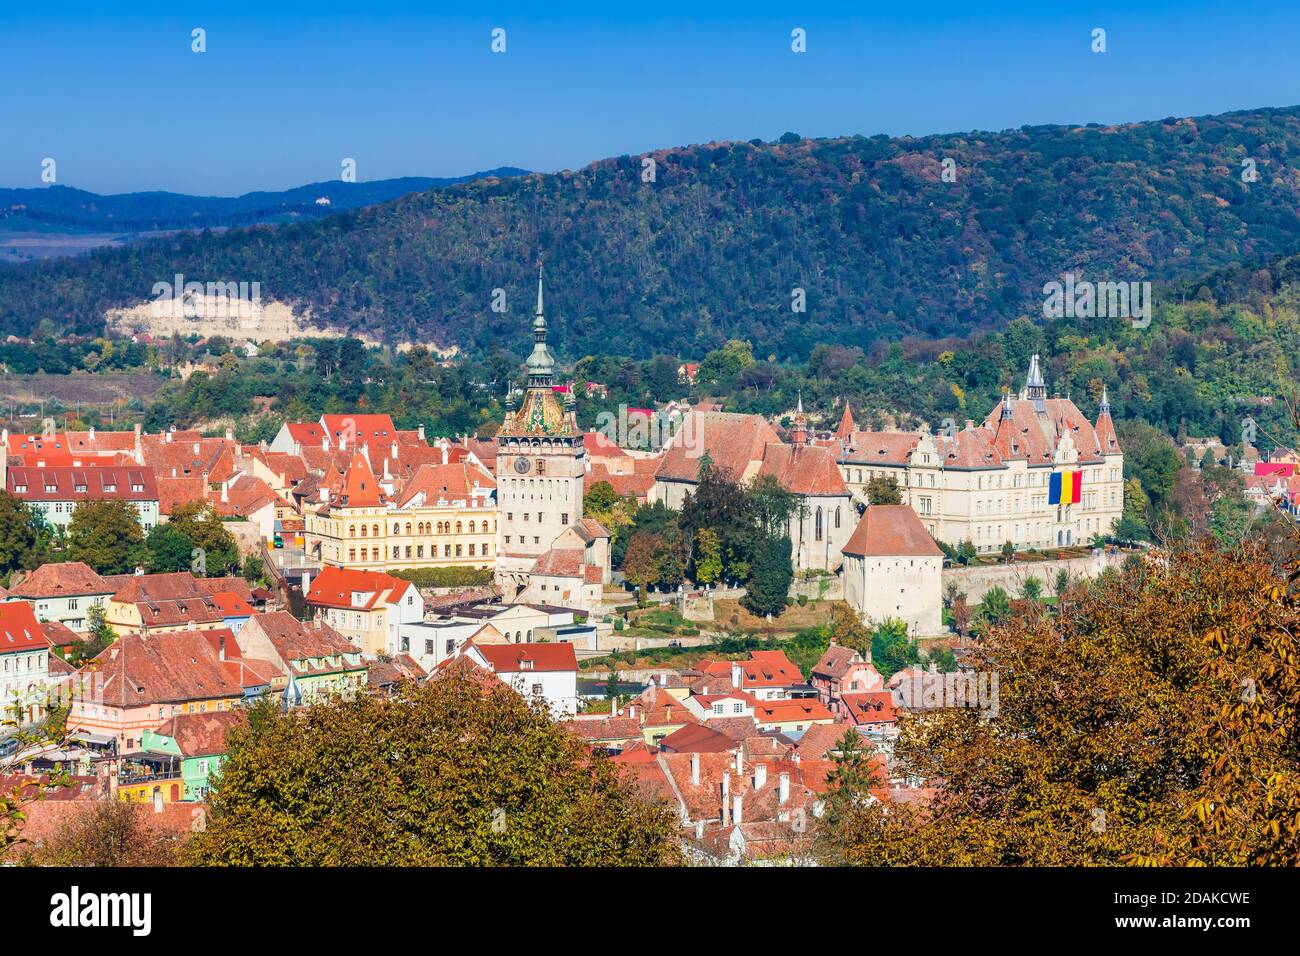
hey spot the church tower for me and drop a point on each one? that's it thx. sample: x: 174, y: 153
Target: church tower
x: 541, y: 462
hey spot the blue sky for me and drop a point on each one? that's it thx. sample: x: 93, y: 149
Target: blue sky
x: 285, y: 91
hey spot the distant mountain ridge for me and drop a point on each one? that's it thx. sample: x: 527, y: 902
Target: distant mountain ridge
x: 64, y: 207
x: 727, y: 240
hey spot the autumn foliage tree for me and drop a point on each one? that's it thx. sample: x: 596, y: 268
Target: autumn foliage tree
x: 1152, y: 722
x: 460, y: 771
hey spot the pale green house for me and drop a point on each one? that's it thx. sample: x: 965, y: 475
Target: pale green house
x: 189, y: 748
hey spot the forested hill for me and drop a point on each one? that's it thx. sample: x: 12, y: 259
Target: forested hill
x: 65, y: 208
x: 712, y: 248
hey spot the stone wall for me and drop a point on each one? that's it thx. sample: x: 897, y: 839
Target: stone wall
x: 976, y: 581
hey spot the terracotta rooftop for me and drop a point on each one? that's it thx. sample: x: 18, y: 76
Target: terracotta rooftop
x: 891, y: 531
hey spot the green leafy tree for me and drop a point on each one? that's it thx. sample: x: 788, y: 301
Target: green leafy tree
x: 1032, y: 589
x: 768, y: 589
x: 708, y: 556
x: 996, y: 606
x: 462, y: 771
x: 107, y: 536
x: 883, y: 490
x: 892, y: 649
x: 169, y: 549
x: 20, y: 540
x: 851, y: 778
x: 200, y: 523
x: 254, y: 569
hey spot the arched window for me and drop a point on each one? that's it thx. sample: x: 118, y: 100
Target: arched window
x: 817, y: 525
x: 837, y: 517
x: 375, y: 531
x: 471, y: 527
x: 352, y: 531
x: 458, y: 527
x: 408, y: 527
x: 397, y: 529
x: 363, y: 531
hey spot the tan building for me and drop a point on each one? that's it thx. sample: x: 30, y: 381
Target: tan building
x: 992, y: 483
x: 444, y: 516
x: 367, y: 607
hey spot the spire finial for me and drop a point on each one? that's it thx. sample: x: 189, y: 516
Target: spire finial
x: 539, y: 285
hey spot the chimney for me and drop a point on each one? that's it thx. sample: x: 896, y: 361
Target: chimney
x: 726, y: 795
x: 420, y: 431
x: 736, y: 804
x: 695, y: 770
x: 170, y: 429
x: 736, y: 674
x: 196, y: 448
x: 92, y: 432
x: 225, y: 491
x: 230, y: 434
x: 443, y: 446
x: 784, y: 787
x: 740, y: 763
x: 699, y: 829
x: 760, y: 775
x: 221, y: 647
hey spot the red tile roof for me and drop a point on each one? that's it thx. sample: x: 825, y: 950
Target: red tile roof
x: 134, y: 483
x: 520, y: 658
x: 804, y: 469
x: 65, y: 579
x: 732, y: 442
x: 334, y: 587
x: 202, y: 735
x: 165, y: 667
x: 891, y: 531
x: 452, y: 483
x: 19, y: 629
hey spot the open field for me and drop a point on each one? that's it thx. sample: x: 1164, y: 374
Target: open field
x: 85, y: 388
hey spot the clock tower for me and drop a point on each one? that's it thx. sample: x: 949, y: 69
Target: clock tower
x: 541, y: 463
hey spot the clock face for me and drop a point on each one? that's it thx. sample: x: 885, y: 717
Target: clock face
x: 521, y: 465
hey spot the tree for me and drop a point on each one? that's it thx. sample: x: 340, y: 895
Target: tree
x: 1008, y: 551
x: 996, y: 606
x: 254, y: 569
x: 851, y: 778
x: 771, y: 505
x: 169, y: 549
x: 708, y: 556
x: 19, y: 539
x: 107, y: 536
x: 768, y: 589
x: 1152, y: 725
x: 882, y: 490
x: 891, y: 648
x: 106, y: 833
x: 1032, y: 589
x: 99, y: 635
x: 199, y: 521
x: 1062, y: 582
x: 460, y: 771
x: 641, y: 563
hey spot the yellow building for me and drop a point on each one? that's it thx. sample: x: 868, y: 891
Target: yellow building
x: 445, y: 515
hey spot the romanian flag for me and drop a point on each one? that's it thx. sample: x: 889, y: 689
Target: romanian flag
x: 1063, y: 489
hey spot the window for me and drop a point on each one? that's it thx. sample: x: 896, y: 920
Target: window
x: 817, y: 525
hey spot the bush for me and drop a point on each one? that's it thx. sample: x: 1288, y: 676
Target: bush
x: 446, y: 577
